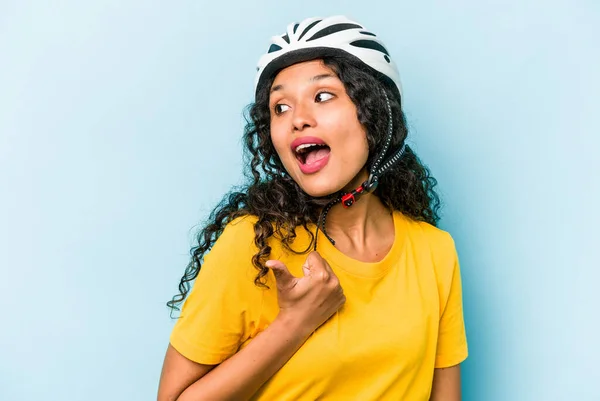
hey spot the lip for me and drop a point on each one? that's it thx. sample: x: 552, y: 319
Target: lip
x: 306, y: 139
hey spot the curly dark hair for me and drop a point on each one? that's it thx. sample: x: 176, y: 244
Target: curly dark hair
x: 281, y: 206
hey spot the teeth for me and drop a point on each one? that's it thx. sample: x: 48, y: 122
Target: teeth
x: 305, y: 146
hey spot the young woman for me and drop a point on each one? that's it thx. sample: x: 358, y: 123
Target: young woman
x: 325, y: 277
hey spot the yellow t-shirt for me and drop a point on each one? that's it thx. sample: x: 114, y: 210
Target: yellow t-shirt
x: 402, y: 318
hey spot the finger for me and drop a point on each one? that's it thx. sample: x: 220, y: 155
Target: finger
x: 328, y: 268
x: 317, y: 267
x: 281, y: 272
x: 306, y: 269
x: 321, y: 263
x: 315, y: 261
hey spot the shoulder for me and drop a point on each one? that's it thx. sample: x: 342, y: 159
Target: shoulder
x: 241, y: 227
x: 435, y: 247
x: 238, y: 231
x: 238, y: 234
x: 233, y: 250
x: 439, y: 241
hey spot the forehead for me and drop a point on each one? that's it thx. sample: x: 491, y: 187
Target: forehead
x: 302, y: 72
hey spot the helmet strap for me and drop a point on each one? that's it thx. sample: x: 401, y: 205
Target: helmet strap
x: 379, y: 168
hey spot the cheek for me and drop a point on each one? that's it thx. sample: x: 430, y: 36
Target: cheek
x: 345, y: 122
x: 362, y: 149
x: 278, y: 140
x: 358, y: 151
x: 274, y: 134
x: 356, y: 142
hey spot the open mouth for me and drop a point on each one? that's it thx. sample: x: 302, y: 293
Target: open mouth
x: 311, y: 153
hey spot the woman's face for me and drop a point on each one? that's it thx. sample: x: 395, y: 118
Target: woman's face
x: 315, y: 129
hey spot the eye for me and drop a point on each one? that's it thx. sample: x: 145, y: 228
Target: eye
x: 323, y: 97
x: 280, y: 108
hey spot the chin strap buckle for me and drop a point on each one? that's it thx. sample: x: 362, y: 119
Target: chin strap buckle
x: 368, y: 186
x: 349, y: 198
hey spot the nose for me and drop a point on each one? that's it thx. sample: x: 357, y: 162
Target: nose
x: 303, y: 118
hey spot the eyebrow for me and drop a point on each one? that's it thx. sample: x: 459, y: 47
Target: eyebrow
x: 313, y: 79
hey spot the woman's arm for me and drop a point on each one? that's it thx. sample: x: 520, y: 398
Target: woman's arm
x: 304, y: 304
x: 178, y: 373
x: 446, y: 384
x: 239, y: 377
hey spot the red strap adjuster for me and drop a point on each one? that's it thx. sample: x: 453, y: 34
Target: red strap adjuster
x: 349, y: 199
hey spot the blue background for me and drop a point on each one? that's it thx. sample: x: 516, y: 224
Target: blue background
x: 120, y: 127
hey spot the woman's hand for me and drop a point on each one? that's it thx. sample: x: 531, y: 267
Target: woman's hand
x: 310, y: 300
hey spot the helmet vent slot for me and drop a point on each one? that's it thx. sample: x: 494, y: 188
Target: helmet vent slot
x: 308, y: 28
x: 370, y: 44
x: 333, y: 29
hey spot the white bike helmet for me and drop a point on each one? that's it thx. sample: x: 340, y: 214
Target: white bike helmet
x: 332, y: 36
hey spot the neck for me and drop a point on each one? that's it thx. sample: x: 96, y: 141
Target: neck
x: 366, y: 219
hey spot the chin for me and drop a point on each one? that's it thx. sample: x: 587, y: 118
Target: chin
x: 319, y: 192
x: 318, y: 187
x: 327, y: 181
